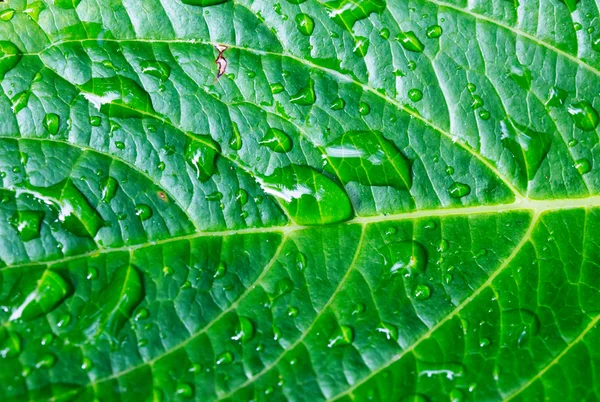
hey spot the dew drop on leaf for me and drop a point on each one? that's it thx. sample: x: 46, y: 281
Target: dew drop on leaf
x: 118, y: 96
x: 449, y: 370
x: 388, y: 330
x: 35, y: 298
x: 46, y: 361
x: 305, y: 96
x: 221, y: 270
x: 184, y: 390
x: 301, y: 261
x: 63, y: 321
x: 529, y: 147
x: 583, y: 166
x: 236, y: 139
x: 143, y: 211
x: 27, y: 223
x: 459, y: 190
x: 215, y: 196
x: 361, y: 46
x: 95, y: 121
x: 292, y: 312
x: 245, y: 330
x: 201, y: 154
x: 21, y: 100
x: 521, y: 75
x: 277, y: 141
x: 422, y: 292
x: 156, y: 69
x: 584, y: 115
x: 276, y: 88
x: 10, y: 343
x: 109, y: 188
x: 338, y: 104
x: 86, y: 364
x: 346, y: 13
x: 305, y: 24
x: 415, y: 95
x: 142, y: 314
x: 52, y: 123
x: 241, y: 196
x: 7, y: 15
x: 224, y: 358
x: 404, y: 255
x: 434, y: 31
x: 344, y: 335
x: 410, y: 42
x: 363, y: 108
x: 10, y: 55
x: 368, y: 158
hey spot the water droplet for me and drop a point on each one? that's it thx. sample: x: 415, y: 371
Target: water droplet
x: 415, y: 95
x: 388, y: 330
x: 36, y: 298
x: 384, y: 33
x: 410, y: 42
x: 477, y: 102
x: 344, y: 335
x: 471, y: 87
x: 484, y: 342
x: 95, y: 121
x: 86, y: 364
x: 301, y: 261
x: 167, y: 271
x: 143, y: 211
x: 448, y: 279
x: 120, y: 144
x: 347, y: 13
x: 361, y: 46
x: 276, y: 332
x: 571, y: 4
x: 7, y: 15
x: 309, y: 197
x: 434, y: 31
x: 63, y: 321
x: 46, y: 361
x: 109, y: 188
x: 52, y: 123
x: 583, y: 166
x: 156, y: 69
x: 118, y: 96
x: 305, y: 96
x: 459, y: 190
x: 521, y: 75
x: 456, y: 395
x: 221, y: 270
x: 185, y: 390
x: 201, y: 154
x: 404, y: 255
x: 368, y: 158
x: 521, y: 325
x: 584, y: 115
x: 422, y: 292
x: 449, y: 370
x: 215, y: 196
x: 305, y: 24
x: 277, y: 141
x: 276, y: 88
x: 142, y: 314
x: 358, y: 308
x: 47, y: 339
x: 21, y: 100
x: 245, y: 330
x: 529, y: 147
x: 10, y: 344
x: 224, y: 358
x: 241, y: 196
x: 338, y: 104
x: 556, y: 97
x: 292, y: 312
x: 282, y: 287
x: 236, y: 139
x: 484, y: 114
x: 27, y: 223
x: 10, y: 55
x: 363, y: 108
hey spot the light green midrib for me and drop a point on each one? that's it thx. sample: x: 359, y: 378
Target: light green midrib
x: 537, y: 206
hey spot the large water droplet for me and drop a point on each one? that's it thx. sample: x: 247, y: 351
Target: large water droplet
x: 368, y: 158
x: 434, y: 31
x: 236, y: 139
x: 529, y: 147
x: 52, y: 123
x: 156, y: 69
x: 184, y: 390
x: 118, y: 96
x: 20, y: 101
x: 459, y: 190
x: 583, y: 166
x: 422, y: 292
x: 410, y: 42
x: 277, y: 140
x: 7, y: 15
x: 344, y: 335
x: 143, y: 211
x: 109, y: 188
x: 201, y: 153
x: 309, y: 197
x: 305, y: 24
x: 521, y: 75
x: 10, y: 55
x: 245, y: 331
x: 108, y: 310
x: 10, y: 343
x: 305, y: 96
x: 28, y: 224
x: 584, y: 115
x: 35, y: 298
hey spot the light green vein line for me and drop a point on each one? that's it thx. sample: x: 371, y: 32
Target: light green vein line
x: 447, y: 318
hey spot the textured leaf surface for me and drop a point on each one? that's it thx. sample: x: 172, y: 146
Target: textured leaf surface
x: 303, y: 200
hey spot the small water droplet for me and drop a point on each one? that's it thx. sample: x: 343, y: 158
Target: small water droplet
x: 109, y: 188
x: 245, y: 330
x: 344, y: 335
x: 388, y: 330
x: 584, y: 115
x: 338, y: 104
x: 142, y: 314
x: 415, y: 95
x: 52, y: 123
x: 434, y: 31
x: 86, y: 364
x: 301, y: 261
x: 277, y: 141
x: 410, y: 42
x: 156, y: 69
x: 10, y: 344
x: 95, y: 121
x: 46, y: 361
x: 305, y: 96
x: 422, y: 292
x: 7, y: 15
x: 143, y: 211
x: 224, y: 359
x: 305, y: 24
x: 583, y: 166
x: 184, y: 390
x: 292, y: 312
x: 363, y: 108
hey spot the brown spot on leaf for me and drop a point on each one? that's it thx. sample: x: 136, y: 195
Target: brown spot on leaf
x: 221, y: 61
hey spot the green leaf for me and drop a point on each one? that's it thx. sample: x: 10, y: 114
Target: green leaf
x: 299, y: 200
